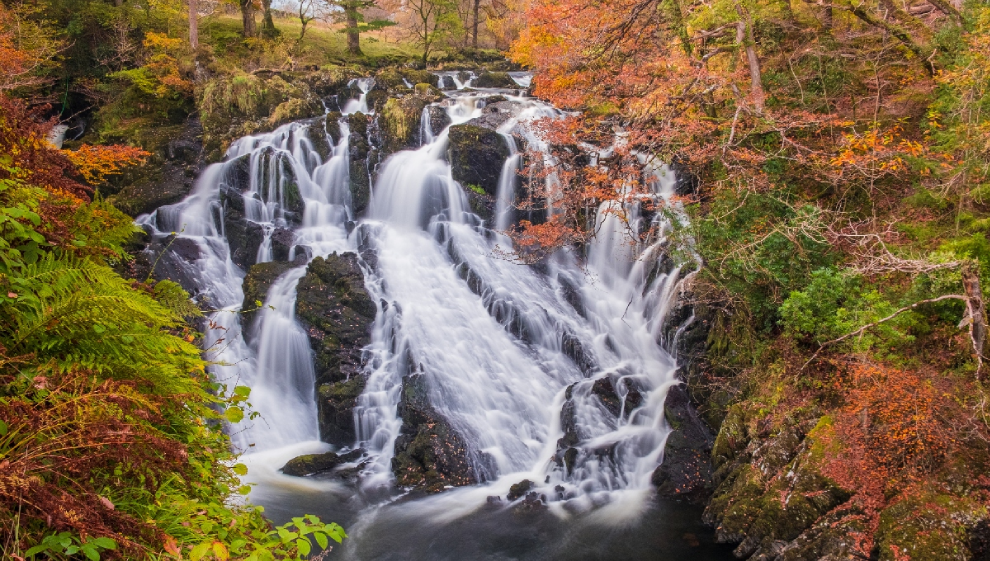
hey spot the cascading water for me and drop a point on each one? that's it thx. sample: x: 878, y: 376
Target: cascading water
x: 510, y: 354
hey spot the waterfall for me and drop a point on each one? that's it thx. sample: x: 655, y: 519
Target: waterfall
x: 511, y: 355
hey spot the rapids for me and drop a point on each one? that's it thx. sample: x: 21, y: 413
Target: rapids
x: 502, y: 355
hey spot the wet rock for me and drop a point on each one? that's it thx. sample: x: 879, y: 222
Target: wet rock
x: 686, y: 471
x: 446, y: 83
x: 282, y: 241
x: 360, y: 150
x: 428, y: 92
x: 331, y: 82
x: 519, y: 489
x: 419, y: 76
x: 439, y: 119
x: 494, y: 80
x: 332, y: 127
x: 429, y: 454
x: 257, y: 282
x: 336, y: 310
x: 312, y: 464
x: 476, y: 156
x: 494, y: 114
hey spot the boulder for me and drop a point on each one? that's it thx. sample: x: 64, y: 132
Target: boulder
x: 494, y: 80
x: 494, y: 114
x: 519, y: 489
x: 429, y: 454
x: 686, y: 471
x: 399, y: 123
x: 258, y: 280
x: 439, y: 119
x: 312, y: 464
x: 336, y: 310
x: 476, y: 157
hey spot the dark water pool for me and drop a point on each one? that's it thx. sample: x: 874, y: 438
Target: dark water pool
x: 431, y: 530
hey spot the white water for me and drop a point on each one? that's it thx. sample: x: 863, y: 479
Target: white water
x: 497, y: 354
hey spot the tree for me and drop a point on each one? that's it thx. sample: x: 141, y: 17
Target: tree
x: 268, y: 29
x: 247, y: 18
x: 354, y: 24
x: 433, y: 22
x: 194, y: 24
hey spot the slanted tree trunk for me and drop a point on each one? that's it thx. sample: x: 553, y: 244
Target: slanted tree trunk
x: 353, y: 35
x: 194, y: 24
x: 247, y: 18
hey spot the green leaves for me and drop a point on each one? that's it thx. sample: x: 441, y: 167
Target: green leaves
x: 64, y: 543
x: 234, y: 414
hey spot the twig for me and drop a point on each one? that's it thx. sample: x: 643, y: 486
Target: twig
x: 888, y: 318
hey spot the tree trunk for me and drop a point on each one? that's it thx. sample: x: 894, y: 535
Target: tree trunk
x: 978, y: 313
x: 353, y: 35
x: 247, y: 18
x: 193, y: 24
x: 268, y: 30
x: 827, y: 19
x: 474, y: 26
x: 755, y: 77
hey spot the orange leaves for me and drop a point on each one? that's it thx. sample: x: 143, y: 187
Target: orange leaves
x: 95, y: 163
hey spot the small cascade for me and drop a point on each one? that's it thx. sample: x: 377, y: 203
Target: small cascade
x: 519, y: 361
x: 359, y: 105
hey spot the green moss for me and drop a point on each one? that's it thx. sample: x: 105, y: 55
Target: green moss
x: 928, y: 528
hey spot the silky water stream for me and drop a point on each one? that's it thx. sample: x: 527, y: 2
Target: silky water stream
x: 501, y: 355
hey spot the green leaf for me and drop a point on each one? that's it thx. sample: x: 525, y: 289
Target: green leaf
x: 234, y: 414
x: 199, y: 551
x: 244, y: 490
x: 240, y: 469
x: 304, y: 546
x: 242, y: 391
x: 321, y: 539
x: 90, y: 552
x: 104, y: 542
x: 35, y: 550
x: 3, y: 428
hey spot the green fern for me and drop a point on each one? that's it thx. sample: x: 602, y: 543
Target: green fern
x: 74, y: 313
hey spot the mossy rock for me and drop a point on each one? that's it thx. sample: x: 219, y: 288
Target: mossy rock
x: 390, y: 79
x: 736, y: 504
x: 399, y: 123
x: 293, y: 110
x: 360, y: 150
x: 257, y: 282
x: 338, y: 311
x: 335, y: 403
x: 929, y: 527
x: 313, y: 464
x: 428, y: 91
x: 476, y: 156
x: 494, y: 80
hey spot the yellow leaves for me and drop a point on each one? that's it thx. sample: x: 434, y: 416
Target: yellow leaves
x: 95, y: 163
x: 161, y: 41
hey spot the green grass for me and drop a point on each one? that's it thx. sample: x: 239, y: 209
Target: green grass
x: 323, y: 44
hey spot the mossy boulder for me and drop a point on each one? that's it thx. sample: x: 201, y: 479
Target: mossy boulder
x: 494, y: 80
x: 419, y: 76
x: 928, y: 527
x: 313, y: 464
x: 476, y: 156
x: 429, y: 454
x: 399, y: 123
x: 337, y: 312
x: 234, y: 105
x: 257, y: 282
